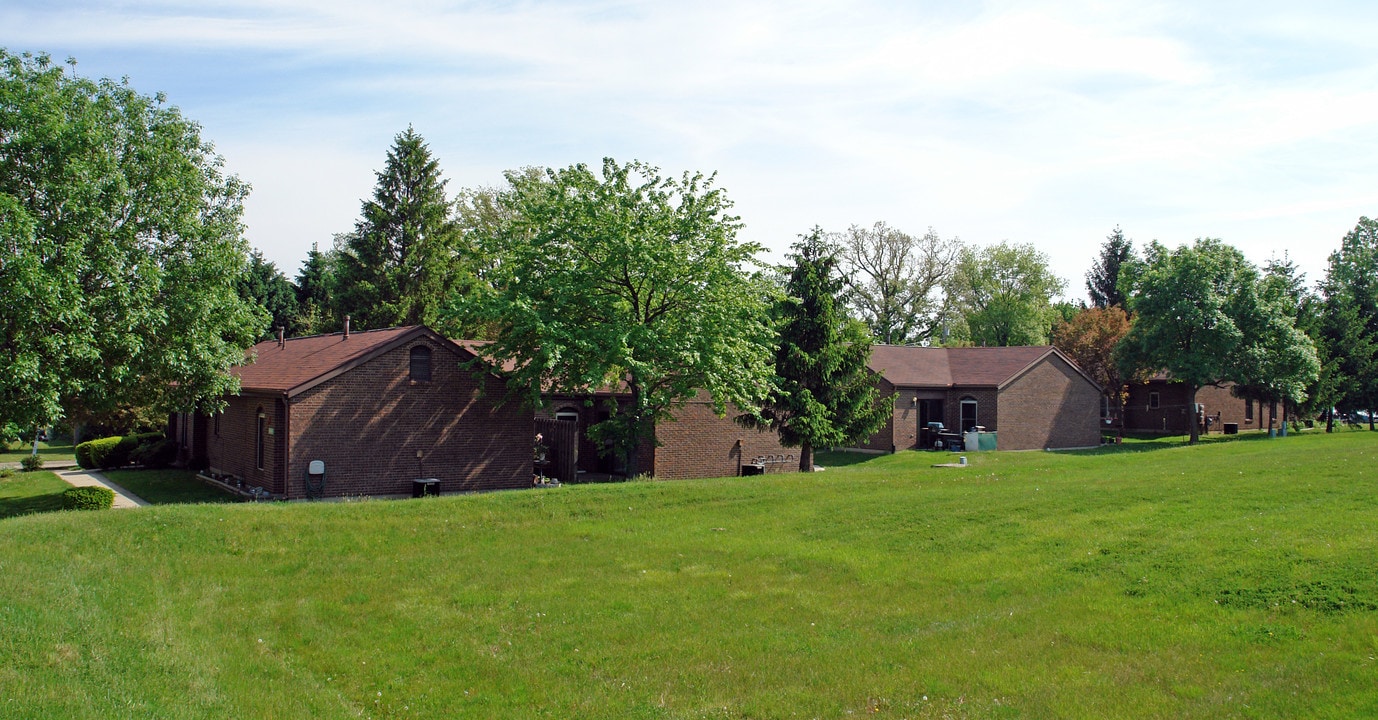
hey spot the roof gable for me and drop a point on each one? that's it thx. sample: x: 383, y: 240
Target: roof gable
x: 299, y: 364
x: 906, y: 366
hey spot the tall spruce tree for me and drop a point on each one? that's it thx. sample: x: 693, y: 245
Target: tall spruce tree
x: 316, y: 291
x: 1350, y: 327
x: 1103, y: 279
x: 824, y: 395
x: 400, y: 264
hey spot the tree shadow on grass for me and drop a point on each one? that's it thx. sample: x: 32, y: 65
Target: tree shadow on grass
x: 27, y: 505
x: 1150, y: 443
x: 841, y: 458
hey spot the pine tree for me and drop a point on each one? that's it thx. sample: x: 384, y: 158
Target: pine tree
x: 1103, y: 280
x: 316, y: 292
x: 263, y: 284
x: 825, y: 395
x: 400, y: 264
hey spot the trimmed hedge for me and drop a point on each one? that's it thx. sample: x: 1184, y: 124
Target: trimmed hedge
x: 114, y: 452
x: 88, y: 498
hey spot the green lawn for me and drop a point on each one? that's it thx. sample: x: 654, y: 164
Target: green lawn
x: 30, y: 492
x: 52, y: 453
x: 167, y: 487
x: 1233, y: 579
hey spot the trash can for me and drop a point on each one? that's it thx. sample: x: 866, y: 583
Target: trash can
x: 424, y: 487
x: 1231, y: 428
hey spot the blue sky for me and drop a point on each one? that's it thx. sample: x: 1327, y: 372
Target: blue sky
x: 1035, y: 122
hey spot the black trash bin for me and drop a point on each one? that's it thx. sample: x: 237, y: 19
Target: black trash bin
x: 424, y: 487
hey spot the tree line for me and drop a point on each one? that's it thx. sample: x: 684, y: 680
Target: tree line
x: 130, y: 283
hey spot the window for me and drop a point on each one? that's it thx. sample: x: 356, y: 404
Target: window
x: 968, y: 414
x: 567, y: 414
x: 421, y: 364
x: 1153, y: 401
x: 1249, y: 411
x: 259, y: 439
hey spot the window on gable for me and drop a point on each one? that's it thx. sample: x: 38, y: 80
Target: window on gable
x: 421, y: 364
x: 1153, y: 401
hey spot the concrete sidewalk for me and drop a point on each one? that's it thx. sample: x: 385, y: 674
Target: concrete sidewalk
x: 77, y: 477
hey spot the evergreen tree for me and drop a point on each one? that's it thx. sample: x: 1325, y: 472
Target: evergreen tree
x: 263, y: 284
x: 825, y: 395
x: 1103, y: 280
x: 316, y: 292
x: 401, y: 262
x: 1350, y: 327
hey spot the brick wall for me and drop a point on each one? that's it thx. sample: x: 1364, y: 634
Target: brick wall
x: 1050, y: 406
x: 369, y: 423
x: 699, y: 444
x: 230, y: 441
x: 1173, y: 414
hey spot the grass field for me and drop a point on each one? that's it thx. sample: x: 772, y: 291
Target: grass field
x: 52, y: 453
x: 1234, y: 579
x: 169, y: 486
x: 30, y: 492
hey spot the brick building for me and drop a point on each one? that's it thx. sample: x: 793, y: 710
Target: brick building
x: 1032, y: 398
x: 695, y: 444
x: 1160, y: 406
x: 379, y: 408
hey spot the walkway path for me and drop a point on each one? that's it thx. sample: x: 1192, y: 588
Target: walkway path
x: 77, y: 477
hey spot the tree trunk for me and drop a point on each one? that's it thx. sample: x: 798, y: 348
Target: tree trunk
x: 805, y: 457
x: 1330, y: 419
x: 1272, y: 415
x: 1195, y: 435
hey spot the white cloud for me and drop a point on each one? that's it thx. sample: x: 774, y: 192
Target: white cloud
x: 1034, y: 122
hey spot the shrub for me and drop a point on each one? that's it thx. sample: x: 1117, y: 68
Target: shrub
x: 94, y: 454
x: 88, y: 498
x: 31, y: 462
x: 113, y: 452
x: 6, y: 473
x: 158, y: 453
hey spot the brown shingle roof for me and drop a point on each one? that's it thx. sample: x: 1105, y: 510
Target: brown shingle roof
x: 949, y: 367
x: 299, y: 361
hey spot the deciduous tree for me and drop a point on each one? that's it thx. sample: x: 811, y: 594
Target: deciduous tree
x: 1187, y: 308
x: 121, y: 243
x: 1003, y: 295
x: 824, y: 394
x: 1090, y: 339
x: 624, y: 279
x: 894, y: 279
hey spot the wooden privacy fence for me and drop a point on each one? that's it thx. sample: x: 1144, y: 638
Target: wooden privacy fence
x: 561, y: 438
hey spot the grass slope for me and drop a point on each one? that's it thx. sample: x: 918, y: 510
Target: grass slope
x: 30, y: 492
x: 1228, y: 580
